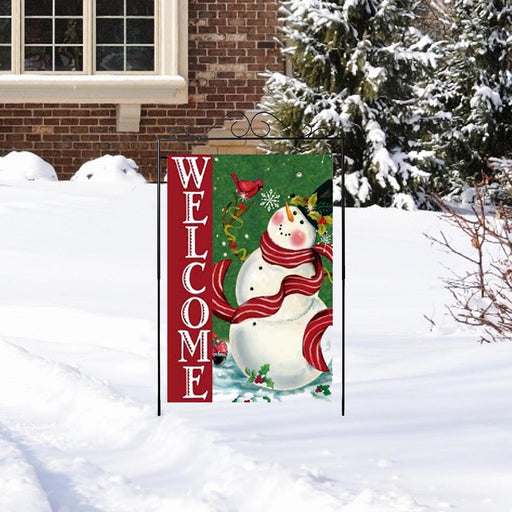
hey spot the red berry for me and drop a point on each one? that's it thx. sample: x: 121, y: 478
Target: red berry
x: 318, y: 389
x: 241, y: 206
x: 232, y: 245
x: 246, y: 401
x: 304, y: 198
x: 322, y: 220
x: 258, y: 379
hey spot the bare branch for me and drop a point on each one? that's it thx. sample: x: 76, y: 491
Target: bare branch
x: 481, y: 297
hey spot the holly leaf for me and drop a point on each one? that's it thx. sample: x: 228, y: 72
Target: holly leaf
x: 321, y: 229
x: 267, y: 399
x: 247, y: 371
x: 250, y: 379
x: 328, y: 219
x: 264, y: 369
x: 315, y: 215
x: 269, y: 382
x: 297, y: 201
x: 313, y: 199
x: 324, y: 389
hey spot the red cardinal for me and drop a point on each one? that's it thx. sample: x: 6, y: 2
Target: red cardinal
x: 247, y: 189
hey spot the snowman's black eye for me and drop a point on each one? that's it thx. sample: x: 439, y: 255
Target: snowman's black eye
x: 302, y: 222
x: 260, y: 268
x: 254, y: 323
x: 251, y: 288
x: 294, y: 212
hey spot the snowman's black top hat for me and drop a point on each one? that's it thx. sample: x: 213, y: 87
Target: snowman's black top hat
x: 315, y: 207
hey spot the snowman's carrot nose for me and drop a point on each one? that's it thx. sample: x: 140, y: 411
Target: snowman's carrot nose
x: 289, y: 213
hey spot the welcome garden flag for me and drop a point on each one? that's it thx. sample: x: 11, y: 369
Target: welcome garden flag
x: 249, y: 277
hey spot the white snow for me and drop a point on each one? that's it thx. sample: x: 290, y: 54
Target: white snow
x: 364, y: 190
x: 357, y: 185
x: 351, y: 183
x: 109, y: 169
x: 374, y: 134
x: 386, y: 166
x: 487, y: 95
x: 404, y: 202
x: 336, y: 190
x: 20, y: 166
x: 330, y: 116
x: 428, y: 410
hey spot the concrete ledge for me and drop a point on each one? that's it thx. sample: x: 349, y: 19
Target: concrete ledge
x: 117, y: 89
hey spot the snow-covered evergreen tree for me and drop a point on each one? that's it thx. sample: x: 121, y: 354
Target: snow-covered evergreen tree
x: 354, y: 66
x: 470, y: 96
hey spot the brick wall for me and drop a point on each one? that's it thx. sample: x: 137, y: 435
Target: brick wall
x: 230, y: 44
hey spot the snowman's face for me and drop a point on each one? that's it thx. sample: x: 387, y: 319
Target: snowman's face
x: 290, y: 229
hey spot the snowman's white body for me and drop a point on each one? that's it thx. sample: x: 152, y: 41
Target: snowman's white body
x: 275, y: 340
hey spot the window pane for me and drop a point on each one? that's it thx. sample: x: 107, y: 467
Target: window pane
x: 38, y: 31
x: 5, y: 7
x: 109, y: 7
x: 110, y: 31
x: 38, y: 58
x: 5, y: 58
x: 68, y: 7
x: 68, y: 31
x: 140, y: 59
x: 5, y: 31
x: 140, y: 7
x: 38, y: 7
x: 69, y: 58
x: 109, y: 58
x: 139, y: 31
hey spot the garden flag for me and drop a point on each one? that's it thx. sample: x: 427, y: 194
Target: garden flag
x: 249, y: 277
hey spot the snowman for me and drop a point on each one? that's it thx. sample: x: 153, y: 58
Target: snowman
x: 280, y: 319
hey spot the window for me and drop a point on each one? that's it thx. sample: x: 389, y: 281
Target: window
x: 53, y: 35
x: 76, y: 50
x: 5, y: 35
x: 125, y: 35
x: 59, y: 36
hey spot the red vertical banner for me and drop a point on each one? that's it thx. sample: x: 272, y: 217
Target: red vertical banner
x: 189, y: 257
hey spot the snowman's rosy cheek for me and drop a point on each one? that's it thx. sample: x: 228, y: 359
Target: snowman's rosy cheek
x: 298, y: 238
x: 277, y: 218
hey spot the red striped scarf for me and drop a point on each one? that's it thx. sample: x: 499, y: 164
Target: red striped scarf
x: 261, y: 307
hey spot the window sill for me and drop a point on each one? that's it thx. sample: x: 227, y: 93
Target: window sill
x: 118, y: 89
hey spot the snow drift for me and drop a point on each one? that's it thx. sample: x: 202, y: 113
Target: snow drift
x: 109, y: 169
x: 20, y: 166
x: 428, y: 410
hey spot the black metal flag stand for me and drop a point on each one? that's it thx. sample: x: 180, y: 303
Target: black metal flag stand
x: 248, y: 133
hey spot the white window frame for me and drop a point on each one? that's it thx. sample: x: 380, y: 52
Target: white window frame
x: 167, y: 84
